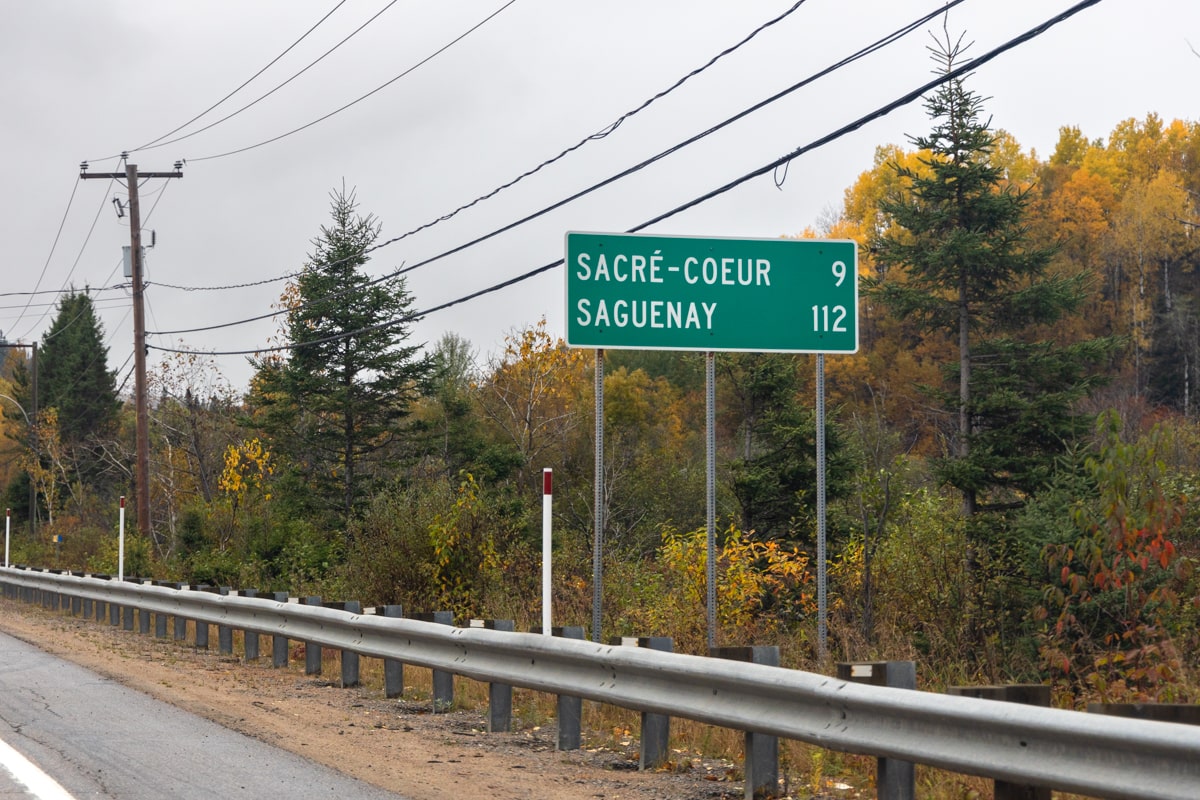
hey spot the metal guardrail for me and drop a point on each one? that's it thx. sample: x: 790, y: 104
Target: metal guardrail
x: 1065, y: 750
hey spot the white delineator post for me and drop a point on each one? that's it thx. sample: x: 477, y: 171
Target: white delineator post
x: 547, y: 503
x: 121, y: 544
x: 7, y: 529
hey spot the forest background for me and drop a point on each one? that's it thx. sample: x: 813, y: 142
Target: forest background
x: 1011, y: 453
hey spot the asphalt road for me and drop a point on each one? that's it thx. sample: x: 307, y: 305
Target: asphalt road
x: 96, y: 738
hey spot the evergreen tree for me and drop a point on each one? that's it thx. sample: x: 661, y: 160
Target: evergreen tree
x: 73, y: 377
x: 335, y: 403
x: 73, y: 374
x: 959, y: 262
x: 774, y: 475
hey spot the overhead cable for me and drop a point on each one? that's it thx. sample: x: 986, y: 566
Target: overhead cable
x: 53, y: 246
x: 244, y: 84
x: 899, y: 102
x: 872, y: 48
x: 374, y: 91
x: 601, y: 134
x: 882, y: 111
x: 82, y: 247
x: 262, y: 97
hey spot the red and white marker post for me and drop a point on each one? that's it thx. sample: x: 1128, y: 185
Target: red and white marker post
x: 7, y: 530
x: 121, y: 544
x: 547, y: 504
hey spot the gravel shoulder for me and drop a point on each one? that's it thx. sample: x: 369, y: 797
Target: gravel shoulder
x: 394, y: 744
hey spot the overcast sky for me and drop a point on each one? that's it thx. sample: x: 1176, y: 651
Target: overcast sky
x: 87, y: 79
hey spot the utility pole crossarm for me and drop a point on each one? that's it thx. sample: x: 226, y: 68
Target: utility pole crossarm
x: 121, y: 175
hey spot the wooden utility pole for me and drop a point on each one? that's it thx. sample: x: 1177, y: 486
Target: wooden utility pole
x: 140, y: 401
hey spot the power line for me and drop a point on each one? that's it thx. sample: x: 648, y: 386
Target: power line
x: 248, y: 285
x: 155, y: 142
x: 612, y: 126
x: 862, y: 53
x: 115, y: 302
x: 57, y: 291
x: 259, y: 99
x: 54, y: 245
x: 82, y: 247
x: 377, y: 89
x: 899, y: 102
x: 601, y: 134
x: 884, y: 110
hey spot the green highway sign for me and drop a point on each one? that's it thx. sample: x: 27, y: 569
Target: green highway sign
x: 633, y: 291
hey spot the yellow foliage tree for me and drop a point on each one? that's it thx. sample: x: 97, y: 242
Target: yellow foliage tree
x: 248, y: 465
x: 530, y: 395
x: 760, y: 585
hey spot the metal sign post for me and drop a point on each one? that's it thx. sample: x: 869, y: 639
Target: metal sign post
x: 822, y: 602
x: 710, y: 488
x: 598, y: 501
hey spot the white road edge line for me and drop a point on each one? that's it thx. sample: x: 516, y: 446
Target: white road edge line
x: 26, y: 773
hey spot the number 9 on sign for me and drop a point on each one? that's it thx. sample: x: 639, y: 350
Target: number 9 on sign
x: 839, y: 272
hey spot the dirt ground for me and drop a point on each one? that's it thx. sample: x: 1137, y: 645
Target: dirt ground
x: 394, y: 744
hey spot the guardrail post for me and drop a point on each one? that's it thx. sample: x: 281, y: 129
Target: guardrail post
x: 249, y: 638
x: 443, y: 682
x: 88, y: 608
x: 224, y: 632
x: 762, y: 751
x: 143, y: 616
x: 179, y: 624
x: 1030, y: 694
x: 76, y: 606
x: 499, y: 694
x: 1181, y: 713
x: 393, y: 670
x: 570, y: 709
x: 100, y: 607
x: 160, y: 620
x: 279, y: 643
x: 312, y: 651
x: 896, y: 780
x: 201, y: 637
x: 349, y: 658
x: 656, y: 728
x: 49, y: 598
x: 114, y: 610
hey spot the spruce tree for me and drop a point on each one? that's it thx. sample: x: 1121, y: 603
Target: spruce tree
x: 959, y: 262
x: 73, y: 377
x: 334, y: 404
x: 774, y: 471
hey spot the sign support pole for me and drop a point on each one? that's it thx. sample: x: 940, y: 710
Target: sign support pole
x: 598, y: 499
x: 547, y: 517
x: 710, y: 480
x: 822, y: 610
